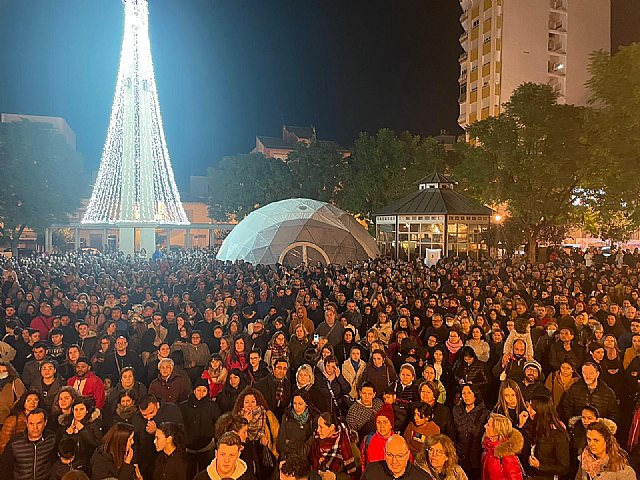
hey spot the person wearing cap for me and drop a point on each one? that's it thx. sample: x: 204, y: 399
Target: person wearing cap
x: 199, y: 413
x: 87, y: 383
x: 532, y: 383
x: 372, y: 446
x: 589, y: 391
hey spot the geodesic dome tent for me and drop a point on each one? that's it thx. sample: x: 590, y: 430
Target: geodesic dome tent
x: 298, y: 230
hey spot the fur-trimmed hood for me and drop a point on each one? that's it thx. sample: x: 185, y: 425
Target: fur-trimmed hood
x: 507, y: 446
x: 611, y: 425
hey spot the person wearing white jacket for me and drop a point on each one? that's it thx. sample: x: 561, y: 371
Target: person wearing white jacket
x: 352, y: 369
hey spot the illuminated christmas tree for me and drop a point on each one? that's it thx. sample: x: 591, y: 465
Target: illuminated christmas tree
x: 135, y: 184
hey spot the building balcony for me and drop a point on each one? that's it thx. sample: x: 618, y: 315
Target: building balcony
x: 463, y: 38
x: 463, y: 77
x: 558, y: 5
x: 557, y: 26
x: 463, y: 57
x: 556, y: 47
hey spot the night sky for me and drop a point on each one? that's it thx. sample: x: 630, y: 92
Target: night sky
x: 228, y: 70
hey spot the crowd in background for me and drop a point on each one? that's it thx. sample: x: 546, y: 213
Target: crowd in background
x: 165, y: 369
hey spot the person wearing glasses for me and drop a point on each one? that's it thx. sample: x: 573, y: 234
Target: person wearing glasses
x: 439, y: 459
x: 396, y: 463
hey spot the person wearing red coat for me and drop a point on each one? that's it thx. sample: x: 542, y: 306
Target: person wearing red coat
x: 502, y: 443
x: 87, y: 383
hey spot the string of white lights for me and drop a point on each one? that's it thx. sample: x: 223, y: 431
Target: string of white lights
x: 135, y: 182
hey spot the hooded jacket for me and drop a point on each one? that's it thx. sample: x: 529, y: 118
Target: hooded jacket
x: 240, y: 473
x: 500, y: 458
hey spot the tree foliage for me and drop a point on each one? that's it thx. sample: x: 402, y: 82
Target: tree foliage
x: 532, y: 157
x: 384, y: 167
x: 613, y: 127
x: 316, y: 170
x: 41, y: 180
x: 241, y: 183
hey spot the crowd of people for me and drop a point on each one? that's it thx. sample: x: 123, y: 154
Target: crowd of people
x: 185, y: 367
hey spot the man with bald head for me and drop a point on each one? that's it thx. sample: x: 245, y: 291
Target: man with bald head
x: 395, y: 465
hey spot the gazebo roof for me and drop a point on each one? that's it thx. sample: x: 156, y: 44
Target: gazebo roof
x: 435, y: 201
x: 435, y: 177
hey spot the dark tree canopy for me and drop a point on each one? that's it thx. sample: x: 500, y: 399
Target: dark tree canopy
x: 42, y: 178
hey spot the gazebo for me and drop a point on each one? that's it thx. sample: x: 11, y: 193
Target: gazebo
x: 433, y: 218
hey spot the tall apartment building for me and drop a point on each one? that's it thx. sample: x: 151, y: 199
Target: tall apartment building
x: 508, y: 42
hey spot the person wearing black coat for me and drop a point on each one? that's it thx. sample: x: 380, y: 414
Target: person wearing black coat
x: 199, y: 413
x: 103, y: 467
x: 469, y: 418
x: 441, y: 415
x: 84, y: 427
x: 171, y: 462
x: 235, y: 383
x: 330, y: 389
x: 590, y: 390
x: 151, y: 413
x: 469, y: 370
x: 298, y: 425
x: 267, y: 386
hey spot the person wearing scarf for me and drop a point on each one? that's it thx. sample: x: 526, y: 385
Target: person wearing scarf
x: 454, y: 343
x: 330, y: 449
x: 263, y: 427
x: 278, y: 349
x: 603, y: 458
x: 297, y: 425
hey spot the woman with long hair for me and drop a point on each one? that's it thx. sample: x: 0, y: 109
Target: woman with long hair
x: 84, y: 427
x: 277, y: 349
x: 215, y: 375
x: 236, y: 382
x: 469, y: 417
x: 379, y: 372
x: 511, y: 403
x: 441, y: 415
x: 298, y: 424
x: 263, y: 427
x: 114, y: 458
x: 16, y: 422
x: 603, y: 458
x: 612, y: 367
x: 479, y: 344
x: 171, y: 463
x: 384, y: 327
x: 502, y: 443
x: 439, y: 459
x: 330, y: 448
x: 239, y: 356
x: 546, y: 441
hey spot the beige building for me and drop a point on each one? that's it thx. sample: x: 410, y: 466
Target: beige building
x: 281, y: 147
x: 508, y: 42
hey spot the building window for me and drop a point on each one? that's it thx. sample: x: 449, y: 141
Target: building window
x: 475, y: 23
x: 487, y: 39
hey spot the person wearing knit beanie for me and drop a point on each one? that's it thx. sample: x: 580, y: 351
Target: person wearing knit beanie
x: 386, y: 411
x: 372, y: 447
